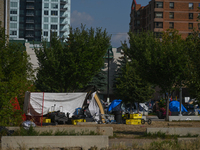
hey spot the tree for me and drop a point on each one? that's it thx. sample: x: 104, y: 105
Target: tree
x: 192, y: 49
x: 128, y: 85
x: 161, y: 62
x: 16, y: 77
x: 69, y: 66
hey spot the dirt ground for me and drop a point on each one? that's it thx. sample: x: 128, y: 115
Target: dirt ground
x: 134, y: 131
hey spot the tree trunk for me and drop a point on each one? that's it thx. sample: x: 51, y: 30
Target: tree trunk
x: 167, y: 108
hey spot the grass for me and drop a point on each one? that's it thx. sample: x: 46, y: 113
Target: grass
x: 32, y: 132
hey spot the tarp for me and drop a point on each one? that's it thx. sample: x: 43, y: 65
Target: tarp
x: 94, y: 108
x: 38, y: 104
x: 115, y: 105
x: 174, y: 106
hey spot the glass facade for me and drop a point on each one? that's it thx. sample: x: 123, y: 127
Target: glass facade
x: 34, y: 19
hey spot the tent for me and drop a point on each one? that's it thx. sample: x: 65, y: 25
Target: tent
x: 115, y: 105
x: 41, y: 103
x: 174, y: 106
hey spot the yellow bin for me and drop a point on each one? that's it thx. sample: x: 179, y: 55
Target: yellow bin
x: 74, y: 121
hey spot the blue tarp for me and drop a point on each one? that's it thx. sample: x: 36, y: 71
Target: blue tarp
x: 174, y: 106
x: 115, y: 105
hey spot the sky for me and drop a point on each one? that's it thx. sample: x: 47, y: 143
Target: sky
x: 112, y: 15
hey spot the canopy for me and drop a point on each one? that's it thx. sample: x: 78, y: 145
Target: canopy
x: 41, y: 103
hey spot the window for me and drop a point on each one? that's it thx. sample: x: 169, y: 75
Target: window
x: 46, y: 0
x: 13, y: 4
x: 46, y: 12
x: 171, y: 15
x: 158, y: 25
x: 13, y: 32
x: 199, y: 26
x: 13, y: 18
x: 13, y: 25
x: 138, y: 13
x: 54, y: 33
x: 54, y: 27
x: 54, y: 0
x: 21, y: 26
x: 54, y: 20
x: 46, y: 26
x: 46, y: 5
x: 171, y: 5
x: 158, y: 4
x: 13, y: 11
x: 190, y: 26
x: 46, y: 19
x: 54, y: 6
x: 37, y: 26
x: 190, y: 5
x: 171, y: 25
x: 190, y: 15
x: 54, y: 13
x: 158, y: 15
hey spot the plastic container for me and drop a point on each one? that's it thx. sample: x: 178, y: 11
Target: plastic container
x: 133, y: 121
x: 135, y: 116
x: 74, y: 121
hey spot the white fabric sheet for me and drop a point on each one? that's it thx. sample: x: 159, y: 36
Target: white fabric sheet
x: 67, y: 102
x: 94, y: 108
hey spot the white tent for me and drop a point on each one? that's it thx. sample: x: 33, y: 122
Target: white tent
x: 41, y: 103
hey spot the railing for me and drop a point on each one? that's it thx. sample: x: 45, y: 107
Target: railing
x: 29, y: 14
x: 29, y: 28
x: 29, y: 7
x: 29, y: 21
x: 30, y: 0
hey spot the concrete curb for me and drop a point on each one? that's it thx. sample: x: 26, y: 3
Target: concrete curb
x: 78, y: 129
x: 184, y: 118
x: 175, y: 131
x: 27, y: 142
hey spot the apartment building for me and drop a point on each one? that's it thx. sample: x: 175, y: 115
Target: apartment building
x: 35, y: 20
x: 4, y: 15
x: 160, y: 15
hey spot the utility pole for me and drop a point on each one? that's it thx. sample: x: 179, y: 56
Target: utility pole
x: 108, y: 99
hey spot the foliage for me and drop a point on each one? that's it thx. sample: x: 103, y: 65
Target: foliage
x: 160, y: 62
x: 16, y: 77
x: 192, y: 49
x: 99, y: 80
x: 69, y: 66
x: 128, y: 85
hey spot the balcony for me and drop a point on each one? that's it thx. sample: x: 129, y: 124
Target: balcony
x: 29, y: 14
x: 63, y: 29
x: 29, y: 35
x: 32, y: 1
x: 62, y: 8
x: 29, y: 7
x: 29, y: 21
x: 29, y: 28
x: 63, y: 1
x: 63, y: 16
x: 63, y: 22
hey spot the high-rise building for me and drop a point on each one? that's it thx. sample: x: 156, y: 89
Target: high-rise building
x: 4, y: 15
x: 35, y: 20
x: 160, y: 15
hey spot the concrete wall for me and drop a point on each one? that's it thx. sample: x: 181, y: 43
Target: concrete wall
x: 26, y: 142
x: 175, y: 131
x: 100, y: 130
x: 183, y: 118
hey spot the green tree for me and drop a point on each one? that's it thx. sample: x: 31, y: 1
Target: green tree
x: 161, y: 62
x: 69, y: 66
x: 16, y: 77
x: 193, y: 52
x: 129, y: 86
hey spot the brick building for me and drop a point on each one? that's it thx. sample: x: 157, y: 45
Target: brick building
x: 4, y: 15
x: 160, y: 15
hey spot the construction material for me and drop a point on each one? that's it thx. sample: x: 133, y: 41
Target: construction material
x: 75, y: 121
x: 133, y: 121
